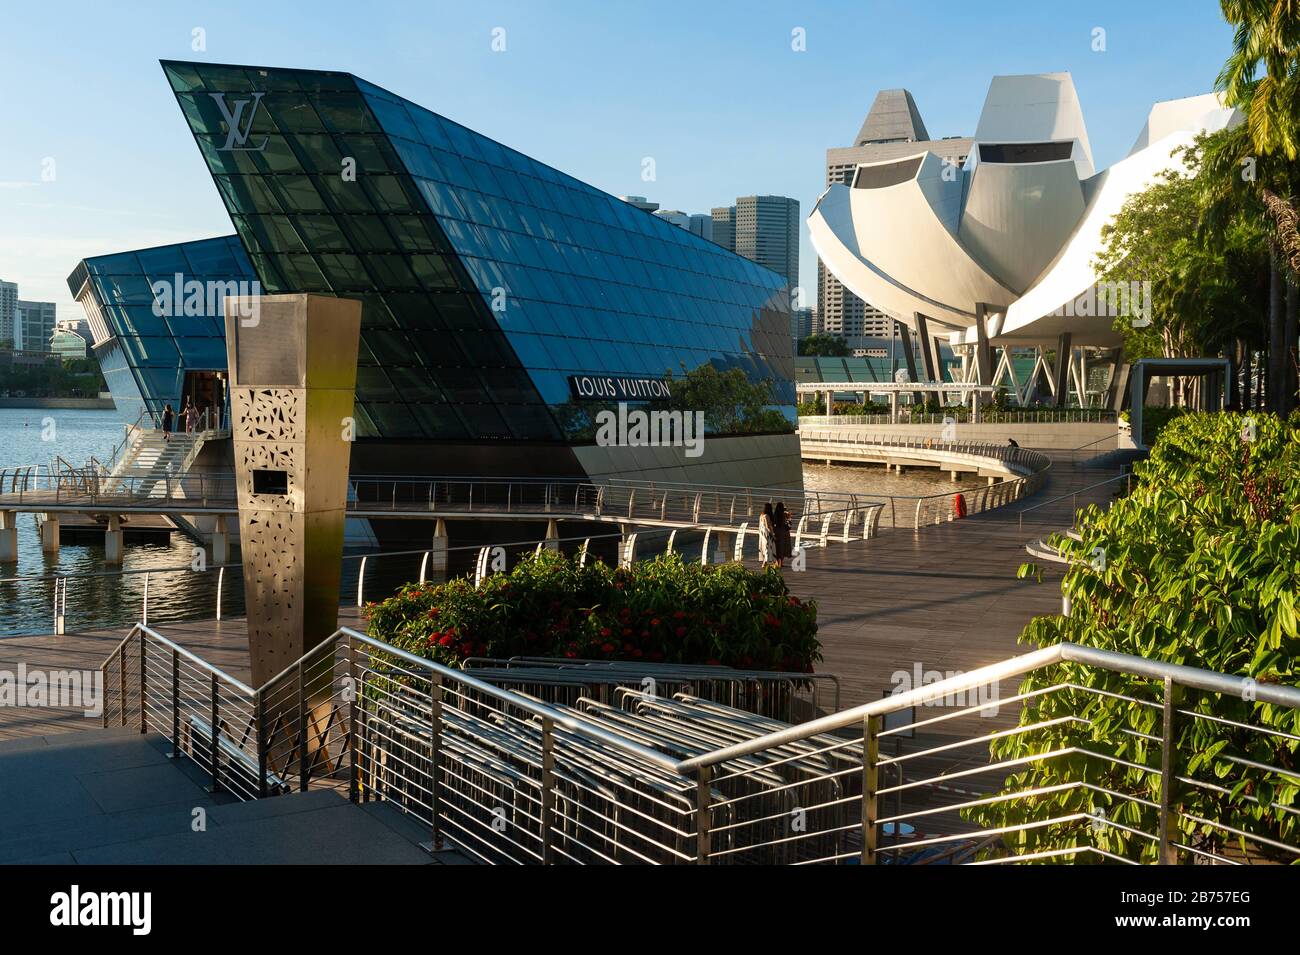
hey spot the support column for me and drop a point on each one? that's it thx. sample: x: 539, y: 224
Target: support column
x: 1061, y: 373
x: 553, y: 535
x: 438, y: 550
x: 220, y: 541
x: 725, y: 548
x: 983, y: 350
x: 50, y: 534
x: 929, y: 357
x: 893, y: 407
x: 909, y: 356
x: 8, y: 537
x: 113, y: 540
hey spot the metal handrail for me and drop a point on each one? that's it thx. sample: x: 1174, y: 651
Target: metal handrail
x: 194, y: 658
x: 1127, y: 475
x: 401, y: 731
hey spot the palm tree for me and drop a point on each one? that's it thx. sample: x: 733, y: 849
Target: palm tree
x: 1262, y: 79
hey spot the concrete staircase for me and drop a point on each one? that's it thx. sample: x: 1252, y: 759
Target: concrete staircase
x: 112, y: 796
x: 152, y: 457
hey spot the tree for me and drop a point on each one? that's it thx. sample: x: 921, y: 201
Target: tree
x: 823, y: 346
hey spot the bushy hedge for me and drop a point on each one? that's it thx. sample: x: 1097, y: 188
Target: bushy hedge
x: 661, y: 610
x: 1201, y: 567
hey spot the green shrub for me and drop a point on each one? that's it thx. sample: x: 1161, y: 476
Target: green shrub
x: 662, y: 610
x: 1202, y: 568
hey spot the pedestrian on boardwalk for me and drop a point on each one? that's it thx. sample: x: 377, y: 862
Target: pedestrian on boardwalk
x: 766, y: 536
x: 167, y: 417
x: 191, y: 417
x: 782, y: 521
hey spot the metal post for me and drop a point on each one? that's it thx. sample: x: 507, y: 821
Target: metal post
x: 302, y: 729
x: 435, y: 753
x: 548, y: 790
x: 144, y: 723
x: 176, y: 704
x: 354, y: 774
x: 214, y: 761
x: 221, y: 579
x: 1168, y: 769
x: 361, y: 579
x: 870, y: 785
x: 703, y: 834
x: 144, y: 611
x: 121, y: 678
x: 259, y: 710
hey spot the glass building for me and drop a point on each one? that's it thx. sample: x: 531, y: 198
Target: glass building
x: 157, y: 349
x: 489, y: 283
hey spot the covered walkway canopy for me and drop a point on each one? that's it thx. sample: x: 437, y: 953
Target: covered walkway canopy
x: 894, y: 389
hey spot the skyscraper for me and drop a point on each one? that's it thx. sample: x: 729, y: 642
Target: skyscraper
x: 764, y: 229
x: 33, y: 325
x: 892, y: 130
x: 8, y: 310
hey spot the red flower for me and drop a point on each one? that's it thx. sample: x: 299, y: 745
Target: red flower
x: 607, y: 647
x: 446, y: 639
x: 627, y: 631
x: 681, y: 631
x: 605, y: 631
x: 654, y: 622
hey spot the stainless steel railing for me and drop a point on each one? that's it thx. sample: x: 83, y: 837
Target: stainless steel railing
x: 639, y: 777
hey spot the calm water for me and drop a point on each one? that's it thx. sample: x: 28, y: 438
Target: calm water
x: 35, y: 436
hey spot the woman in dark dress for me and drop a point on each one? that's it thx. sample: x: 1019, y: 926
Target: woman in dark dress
x: 167, y: 416
x: 782, y: 521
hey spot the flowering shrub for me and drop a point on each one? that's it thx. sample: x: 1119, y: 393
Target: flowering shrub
x: 662, y: 610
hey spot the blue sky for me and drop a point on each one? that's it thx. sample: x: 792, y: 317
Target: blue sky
x: 711, y: 89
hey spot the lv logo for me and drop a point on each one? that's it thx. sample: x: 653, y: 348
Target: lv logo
x: 237, y: 134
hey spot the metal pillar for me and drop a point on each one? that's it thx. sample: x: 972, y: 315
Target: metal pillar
x: 1061, y: 373
x: 909, y: 356
x: 983, y: 351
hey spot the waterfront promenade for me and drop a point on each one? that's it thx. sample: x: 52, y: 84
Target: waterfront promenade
x: 945, y: 597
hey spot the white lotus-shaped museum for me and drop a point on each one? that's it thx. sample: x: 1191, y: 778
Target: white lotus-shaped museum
x: 1014, y: 230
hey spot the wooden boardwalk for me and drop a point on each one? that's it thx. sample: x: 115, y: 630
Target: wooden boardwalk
x: 944, y: 597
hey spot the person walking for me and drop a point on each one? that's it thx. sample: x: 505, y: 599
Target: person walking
x: 167, y: 416
x: 781, y: 518
x: 191, y: 417
x: 766, y: 536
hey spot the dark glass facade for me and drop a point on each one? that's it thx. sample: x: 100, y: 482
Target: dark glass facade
x: 487, y: 278
x: 143, y: 354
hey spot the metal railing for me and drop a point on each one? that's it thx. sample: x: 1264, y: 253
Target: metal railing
x: 1021, y: 460
x: 962, y: 415
x: 1126, y: 476
x: 639, y: 777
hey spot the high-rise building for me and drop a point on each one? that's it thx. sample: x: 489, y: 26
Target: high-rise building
x: 694, y: 223
x: 33, y: 325
x: 802, y: 322
x: 724, y: 226
x: 641, y: 203
x: 8, y: 310
x: 892, y: 130
x: 764, y: 229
